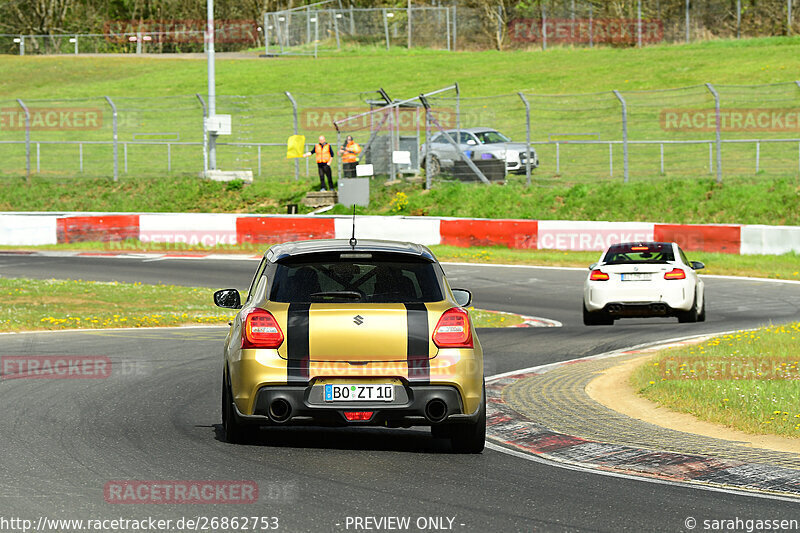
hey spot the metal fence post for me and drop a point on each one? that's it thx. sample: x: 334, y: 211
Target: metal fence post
x: 385, y: 27
x: 408, y: 23
x: 527, y: 139
x: 114, y: 126
x: 738, y: 19
x: 447, y: 24
x: 76, y: 44
x: 591, y: 20
x: 294, y: 115
x: 22, y: 45
x: 719, y: 125
x: 266, y: 34
x: 639, y: 23
x: 624, y: 134
x: 334, y: 15
x: 27, y: 139
x: 428, y: 177
x: 544, y: 27
x: 788, y: 17
x: 205, y: 134
x: 138, y: 42
x: 687, y: 21
x: 455, y: 27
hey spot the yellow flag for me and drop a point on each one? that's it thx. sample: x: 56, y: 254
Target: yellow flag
x: 295, y: 146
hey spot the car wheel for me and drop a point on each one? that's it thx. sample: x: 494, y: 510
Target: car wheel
x: 435, y: 165
x: 598, y: 318
x: 689, y: 316
x: 471, y: 437
x: 235, y: 432
x: 701, y: 317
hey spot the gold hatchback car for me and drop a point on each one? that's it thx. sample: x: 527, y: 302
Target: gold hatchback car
x: 361, y: 334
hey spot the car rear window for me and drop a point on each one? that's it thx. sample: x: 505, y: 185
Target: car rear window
x: 356, y: 278
x: 621, y: 254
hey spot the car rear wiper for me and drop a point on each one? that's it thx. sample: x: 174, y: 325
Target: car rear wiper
x: 353, y: 295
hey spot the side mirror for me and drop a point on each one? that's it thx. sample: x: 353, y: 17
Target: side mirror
x: 463, y: 297
x: 228, y: 298
x: 592, y: 266
x: 697, y: 265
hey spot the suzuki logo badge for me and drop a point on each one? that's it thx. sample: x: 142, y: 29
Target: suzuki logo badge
x: 358, y: 319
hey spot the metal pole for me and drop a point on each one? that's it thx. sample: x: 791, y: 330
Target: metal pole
x: 27, y: 139
x: 639, y: 23
x: 352, y: 22
x: 266, y: 35
x: 624, y: 134
x: 500, y: 25
x: 212, y: 88
x: 610, y: 160
x: 527, y: 139
x: 22, y: 45
x: 138, y: 42
x: 294, y: 115
x: 788, y: 17
x: 316, y: 34
x: 738, y: 19
x: 408, y: 23
x: 385, y: 27
x: 115, y: 137
x: 38, y: 157
x: 76, y: 44
x: 544, y: 27
x: 455, y: 27
x: 335, y: 29
x: 308, y: 25
x: 447, y: 23
x: 719, y: 126
x: 169, y: 157
x: 662, y: 158
x: 558, y: 158
x: 428, y: 177
x: 80, y: 156
x: 687, y: 21
x: 591, y: 21
x: 710, y: 157
x: 758, y: 156
x: 205, y: 134
x: 125, y: 155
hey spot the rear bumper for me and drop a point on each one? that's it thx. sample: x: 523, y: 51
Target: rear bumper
x: 414, y: 408
x: 639, y: 309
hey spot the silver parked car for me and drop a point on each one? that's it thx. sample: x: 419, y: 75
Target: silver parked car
x: 478, y: 143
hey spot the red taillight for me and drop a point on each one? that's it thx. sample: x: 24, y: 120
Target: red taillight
x: 598, y: 275
x: 261, y: 330
x: 357, y: 415
x: 675, y: 273
x: 452, y: 330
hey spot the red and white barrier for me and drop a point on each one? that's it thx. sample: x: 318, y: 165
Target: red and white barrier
x: 212, y: 229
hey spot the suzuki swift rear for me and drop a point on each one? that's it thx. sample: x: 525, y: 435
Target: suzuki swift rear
x: 364, y: 335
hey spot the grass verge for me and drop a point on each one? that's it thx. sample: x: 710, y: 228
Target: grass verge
x: 747, y: 380
x: 70, y: 304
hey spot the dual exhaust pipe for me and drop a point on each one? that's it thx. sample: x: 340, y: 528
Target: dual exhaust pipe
x: 280, y: 410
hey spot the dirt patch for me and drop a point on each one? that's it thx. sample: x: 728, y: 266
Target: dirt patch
x: 612, y: 389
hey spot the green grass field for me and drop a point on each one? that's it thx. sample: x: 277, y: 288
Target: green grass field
x: 746, y: 380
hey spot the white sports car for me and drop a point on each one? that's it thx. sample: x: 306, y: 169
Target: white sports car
x: 643, y: 279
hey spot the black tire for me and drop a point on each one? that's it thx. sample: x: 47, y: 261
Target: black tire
x: 436, y: 166
x: 471, y: 437
x: 598, y: 318
x: 701, y: 317
x: 234, y: 430
x: 691, y: 315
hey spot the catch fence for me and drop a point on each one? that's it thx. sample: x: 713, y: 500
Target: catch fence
x: 704, y: 131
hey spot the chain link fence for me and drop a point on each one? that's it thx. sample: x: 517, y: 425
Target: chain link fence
x: 717, y: 131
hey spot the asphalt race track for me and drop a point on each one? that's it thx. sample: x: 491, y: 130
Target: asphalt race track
x: 157, y: 418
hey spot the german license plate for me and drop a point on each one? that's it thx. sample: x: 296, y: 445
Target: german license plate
x: 636, y: 276
x: 358, y: 393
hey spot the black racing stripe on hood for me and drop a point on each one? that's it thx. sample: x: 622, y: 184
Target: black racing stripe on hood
x: 419, y: 369
x: 297, y: 343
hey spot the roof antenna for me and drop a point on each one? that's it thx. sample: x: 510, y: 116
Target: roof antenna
x: 353, y: 240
